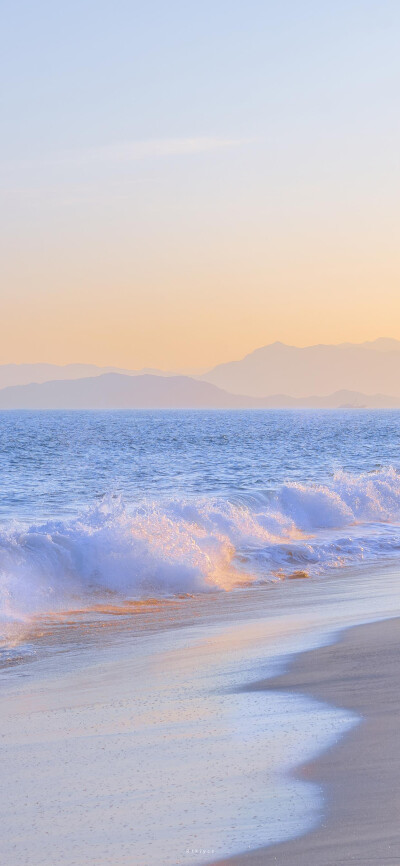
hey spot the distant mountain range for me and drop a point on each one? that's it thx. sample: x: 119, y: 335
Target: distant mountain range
x: 368, y: 368
x: 24, y: 374
x: 121, y: 391
x: 275, y: 376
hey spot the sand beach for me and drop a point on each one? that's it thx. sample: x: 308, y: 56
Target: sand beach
x: 207, y: 729
x: 360, y: 775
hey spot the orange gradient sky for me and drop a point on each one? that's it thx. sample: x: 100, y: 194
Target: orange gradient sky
x: 178, y: 189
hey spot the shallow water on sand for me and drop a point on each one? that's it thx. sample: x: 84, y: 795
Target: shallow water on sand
x: 139, y: 743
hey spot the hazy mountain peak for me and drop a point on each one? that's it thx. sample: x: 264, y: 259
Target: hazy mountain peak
x: 113, y: 390
x: 365, y: 368
x: 383, y: 344
x: 369, y: 368
x: 120, y: 391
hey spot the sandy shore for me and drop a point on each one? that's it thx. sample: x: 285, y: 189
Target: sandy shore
x: 130, y: 754
x: 144, y: 744
x: 361, y: 774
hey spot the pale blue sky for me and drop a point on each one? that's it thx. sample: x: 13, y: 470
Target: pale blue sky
x: 226, y: 170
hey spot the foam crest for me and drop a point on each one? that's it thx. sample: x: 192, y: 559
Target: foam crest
x: 197, y: 545
x: 158, y: 549
x: 347, y: 499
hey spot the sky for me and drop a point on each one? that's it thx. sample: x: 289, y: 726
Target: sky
x: 182, y: 182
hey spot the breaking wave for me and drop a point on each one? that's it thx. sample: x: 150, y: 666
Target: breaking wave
x: 198, y: 545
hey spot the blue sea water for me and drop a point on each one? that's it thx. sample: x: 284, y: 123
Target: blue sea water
x: 144, y: 503
x: 103, y: 507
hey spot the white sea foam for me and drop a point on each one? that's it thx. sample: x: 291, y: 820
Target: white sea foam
x: 198, y: 545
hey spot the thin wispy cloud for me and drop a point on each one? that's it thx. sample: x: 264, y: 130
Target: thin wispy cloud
x: 152, y: 148
x: 112, y: 155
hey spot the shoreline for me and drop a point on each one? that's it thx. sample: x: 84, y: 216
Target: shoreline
x: 119, y: 727
x: 360, y: 774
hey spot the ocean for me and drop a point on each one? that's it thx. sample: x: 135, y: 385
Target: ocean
x: 146, y: 570
x: 137, y: 505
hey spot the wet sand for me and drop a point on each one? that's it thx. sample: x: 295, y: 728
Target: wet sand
x: 129, y: 754
x: 143, y: 743
x: 360, y: 775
